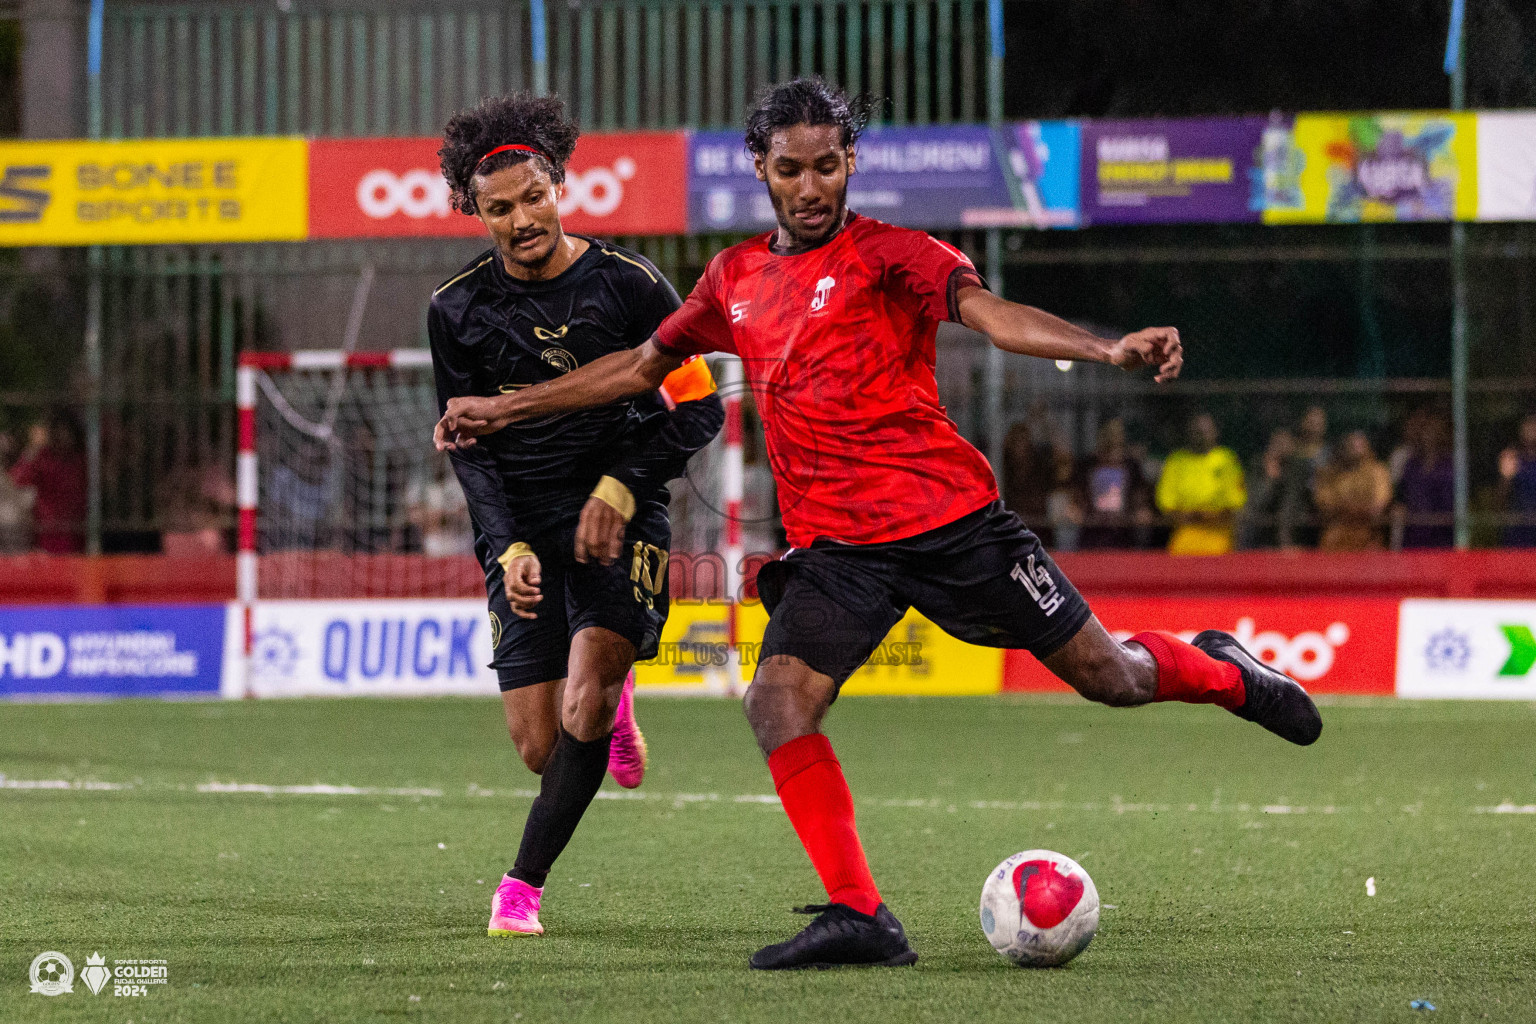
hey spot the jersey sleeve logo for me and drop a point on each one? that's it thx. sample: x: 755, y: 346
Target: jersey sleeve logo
x: 739, y: 311
x: 823, y: 290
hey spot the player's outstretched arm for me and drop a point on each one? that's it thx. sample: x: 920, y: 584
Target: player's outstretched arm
x: 615, y: 376
x: 1028, y: 331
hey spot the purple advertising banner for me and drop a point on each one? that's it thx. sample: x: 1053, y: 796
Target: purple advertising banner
x: 923, y: 177
x: 1171, y: 171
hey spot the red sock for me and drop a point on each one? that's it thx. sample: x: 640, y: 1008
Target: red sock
x: 815, y: 796
x: 1186, y: 673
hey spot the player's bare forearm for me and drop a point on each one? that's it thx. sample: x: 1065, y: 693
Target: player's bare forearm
x: 1028, y: 331
x: 613, y: 377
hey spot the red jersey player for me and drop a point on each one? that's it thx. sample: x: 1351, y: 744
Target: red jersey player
x: 887, y: 506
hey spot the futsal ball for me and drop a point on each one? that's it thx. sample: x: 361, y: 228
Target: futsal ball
x: 1039, y: 909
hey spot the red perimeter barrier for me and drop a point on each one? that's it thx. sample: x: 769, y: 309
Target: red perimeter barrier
x: 37, y: 579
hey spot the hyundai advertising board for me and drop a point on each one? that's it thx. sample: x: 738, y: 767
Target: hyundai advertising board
x: 62, y: 652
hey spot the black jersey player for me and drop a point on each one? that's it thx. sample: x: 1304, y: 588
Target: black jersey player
x: 569, y: 512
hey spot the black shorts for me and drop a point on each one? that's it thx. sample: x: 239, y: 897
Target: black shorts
x: 628, y: 597
x: 983, y: 578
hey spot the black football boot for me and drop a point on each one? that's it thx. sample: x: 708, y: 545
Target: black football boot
x: 839, y: 937
x: 1274, y: 699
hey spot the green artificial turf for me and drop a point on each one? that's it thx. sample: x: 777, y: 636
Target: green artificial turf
x: 1233, y: 866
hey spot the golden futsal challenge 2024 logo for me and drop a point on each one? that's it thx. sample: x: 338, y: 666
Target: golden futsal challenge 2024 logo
x: 53, y: 974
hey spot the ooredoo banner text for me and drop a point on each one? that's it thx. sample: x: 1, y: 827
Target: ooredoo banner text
x: 615, y: 184
x: 1328, y: 645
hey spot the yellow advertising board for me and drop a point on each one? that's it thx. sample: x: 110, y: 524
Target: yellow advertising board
x: 154, y: 191
x: 916, y: 658
x: 1376, y: 167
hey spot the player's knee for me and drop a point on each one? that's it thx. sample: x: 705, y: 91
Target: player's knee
x: 533, y: 746
x: 776, y: 691
x: 589, y: 708
x: 786, y: 699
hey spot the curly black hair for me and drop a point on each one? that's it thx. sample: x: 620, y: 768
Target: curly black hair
x: 808, y: 100
x: 521, y: 119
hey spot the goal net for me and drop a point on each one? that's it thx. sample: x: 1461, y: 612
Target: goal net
x: 356, y: 565
x: 351, y: 499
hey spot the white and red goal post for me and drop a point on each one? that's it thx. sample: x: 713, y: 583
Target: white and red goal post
x: 356, y: 571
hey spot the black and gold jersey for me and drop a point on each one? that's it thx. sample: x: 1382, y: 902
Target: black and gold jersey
x: 492, y: 333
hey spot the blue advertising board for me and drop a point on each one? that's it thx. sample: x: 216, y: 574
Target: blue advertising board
x: 1042, y: 178
x: 930, y: 177
x: 74, y: 651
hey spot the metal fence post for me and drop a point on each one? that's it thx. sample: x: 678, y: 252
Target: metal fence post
x: 539, y: 34
x: 996, y: 371
x: 93, y: 488
x: 1457, y: 66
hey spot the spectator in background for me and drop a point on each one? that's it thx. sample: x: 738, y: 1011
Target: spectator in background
x: 1118, y: 499
x: 1064, y: 502
x: 1517, y: 487
x: 198, y: 505
x: 15, y: 503
x: 439, y: 515
x: 1410, y: 439
x: 1353, y: 492
x: 1024, y: 474
x: 1151, y: 533
x: 1312, y: 440
x: 1312, y: 454
x: 53, y: 465
x: 1266, y: 522
x: 1426, y: 490
x: 1201, y: 491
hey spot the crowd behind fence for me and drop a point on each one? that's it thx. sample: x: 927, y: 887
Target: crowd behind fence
x: 1357, y: 471
x: 1308, y: 487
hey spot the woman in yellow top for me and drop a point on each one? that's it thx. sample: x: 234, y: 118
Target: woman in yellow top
x: 1201, y: 491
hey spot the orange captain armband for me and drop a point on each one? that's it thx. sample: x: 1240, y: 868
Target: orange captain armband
x: 688, y: 383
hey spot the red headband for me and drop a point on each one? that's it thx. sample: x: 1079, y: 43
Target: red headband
x: 514, y: 146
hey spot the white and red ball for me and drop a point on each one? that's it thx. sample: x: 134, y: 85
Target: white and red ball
x: 1039, y: 908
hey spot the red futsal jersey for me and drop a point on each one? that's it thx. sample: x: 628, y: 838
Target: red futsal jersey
x: 837, y: 345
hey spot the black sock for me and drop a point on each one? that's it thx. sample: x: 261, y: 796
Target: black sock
x: 570, y: 781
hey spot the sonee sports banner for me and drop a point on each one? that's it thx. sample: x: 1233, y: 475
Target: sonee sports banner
x: 153, y: 191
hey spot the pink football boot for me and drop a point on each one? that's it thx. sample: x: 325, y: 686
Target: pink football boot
x: 515, y: 909
x: 627, y: 755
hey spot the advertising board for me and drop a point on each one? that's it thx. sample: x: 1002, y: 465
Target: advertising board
x: 153, y: 191
x: 65, y: 652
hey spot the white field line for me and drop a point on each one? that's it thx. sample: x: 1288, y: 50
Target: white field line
x: 1112, y: 806
x: 318, y: 789
x: 8, y: 783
